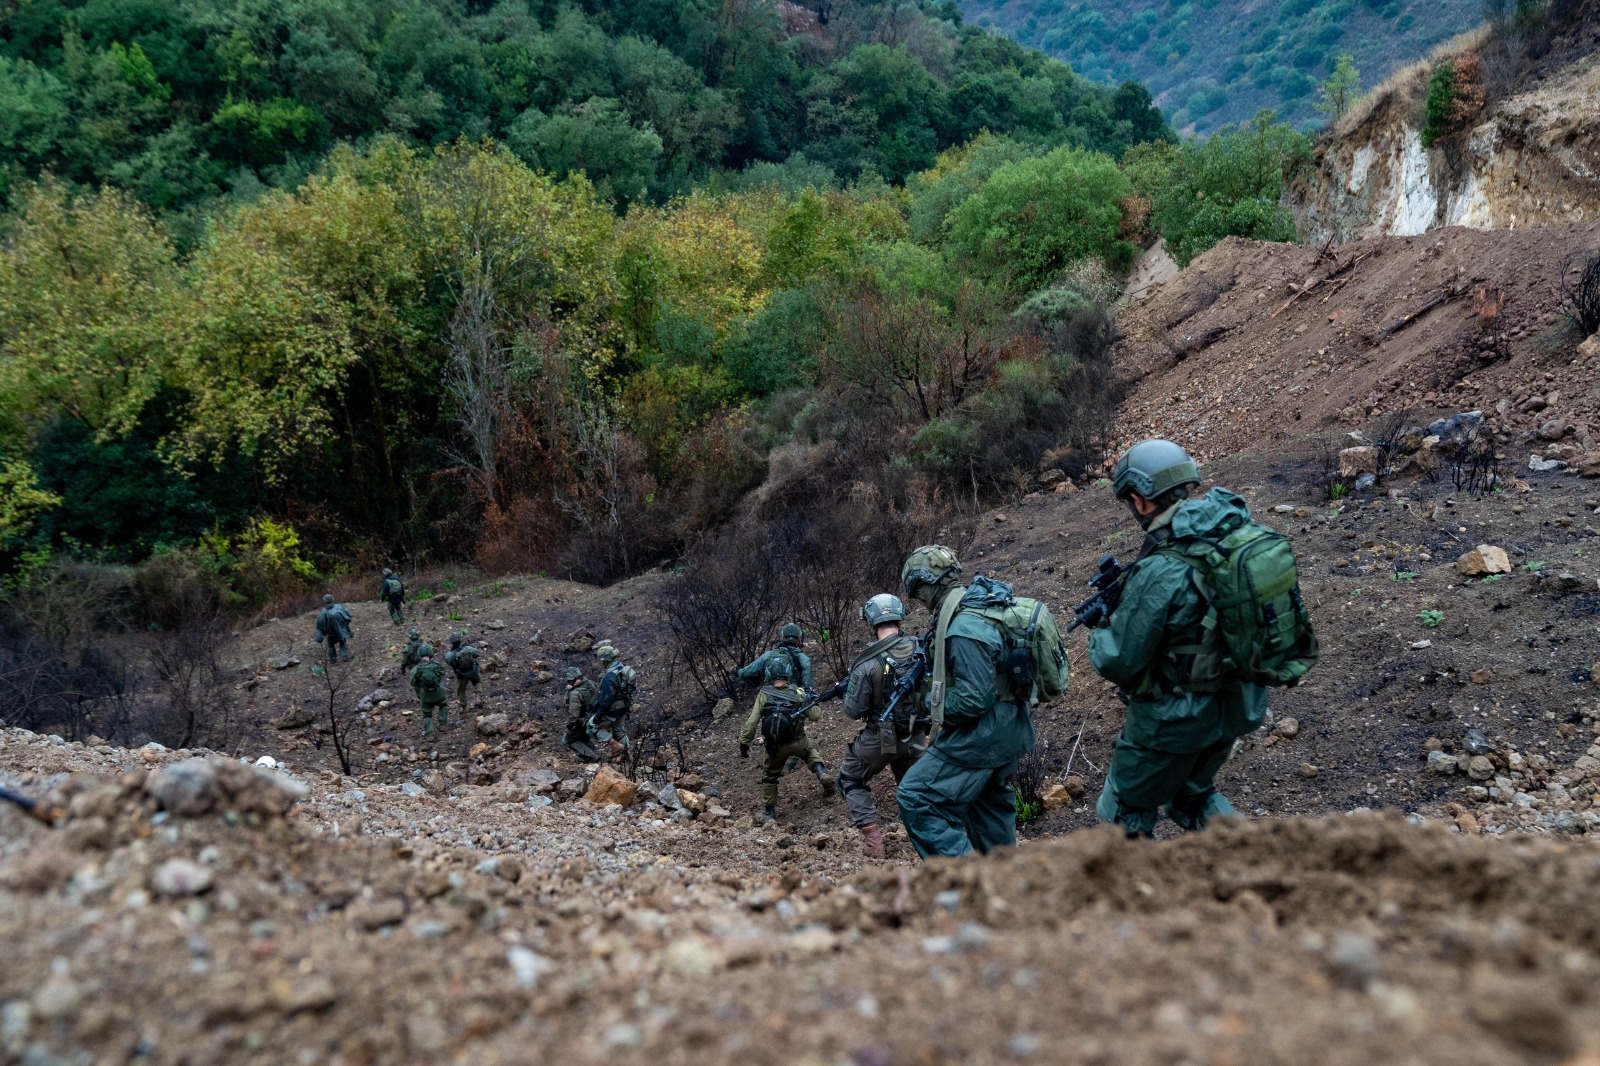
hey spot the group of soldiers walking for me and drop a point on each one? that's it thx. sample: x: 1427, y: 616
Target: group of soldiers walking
x: 1192, y: 633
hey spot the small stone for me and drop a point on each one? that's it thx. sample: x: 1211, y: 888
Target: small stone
x: 1467, y: 823
x: 723, y: 709
x: 1479, y: 768
x: 370, y: 915
x: 1421, y: 645
x: 1483, y: 560
x: 179, y: 877
x: 1360, y: 460
x: 491, y: 725
x: 1440, y: 763
x: 1482, y: 677
x: 58, y: 998
x: 1354, y: 958
x: 1287, y: 728
x: 527, y: 966
x: 411, y: 788
x: 495, y: 624
x: 294, y: 718
x: 186, y: 789
x: 285, y: 662
x: 691, y: 956
x: 668, y: 798
x: 1309, y: 770
x: 1076, y: 786
x: 1055, y: 797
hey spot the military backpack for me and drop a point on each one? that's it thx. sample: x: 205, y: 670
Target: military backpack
x: 1034, y: 666
x: 783, y: 716
x: 428, y: 680
x: 1256, y: 625
x: 464, y: 661
x: 392, y: 588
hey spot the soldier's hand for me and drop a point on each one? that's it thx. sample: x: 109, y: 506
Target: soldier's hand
x: 744, y: 751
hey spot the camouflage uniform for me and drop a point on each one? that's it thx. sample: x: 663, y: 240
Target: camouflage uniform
x: 427, y: 681
x: 333, y: 629
x: 393, y: 593
x: 892, y: 745
x: 772, y: 768
x: 789, y: 652
x: 411, y: 654
x: 580, y: 694
x: 462, y: 658
x: 612, y: 702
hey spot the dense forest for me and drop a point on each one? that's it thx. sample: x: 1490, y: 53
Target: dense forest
x: 1213, y: 62
x: 289, y: 292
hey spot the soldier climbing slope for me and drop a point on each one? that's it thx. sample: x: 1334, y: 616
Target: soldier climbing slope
x: 994, y: 655
x: 411, y: 654
x: 580, y: 696
x: 462, y: 658
x: 427, y: 681
x: 789, y: 650
x: 895, y: 742
x: 780, y: 713
x: 393, y: 593
x: 1209, y: 615
x: 613, y: 700
x: 333, y: 629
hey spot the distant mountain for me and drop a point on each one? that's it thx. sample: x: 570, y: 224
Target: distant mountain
x: 1211, y: 62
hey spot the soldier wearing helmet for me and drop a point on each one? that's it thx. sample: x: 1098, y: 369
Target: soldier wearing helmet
x: 958, y: 798
x: 606, y: 725
x: 895, y: 743
x: 393, y: 593
x: 427, y: 681
x: 333, y: 627
x: 411, y: 654
x: 580, y: 695
x: 1177, y: 734
x: 767, y: 666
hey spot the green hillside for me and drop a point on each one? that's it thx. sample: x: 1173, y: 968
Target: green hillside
x: 1211, y: 62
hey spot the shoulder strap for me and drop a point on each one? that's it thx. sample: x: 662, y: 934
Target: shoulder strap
x: 794, y: 662
x: 941, y: 656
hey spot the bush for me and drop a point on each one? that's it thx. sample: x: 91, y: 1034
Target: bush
x: 1580, y: 288
x: 1441, y: 103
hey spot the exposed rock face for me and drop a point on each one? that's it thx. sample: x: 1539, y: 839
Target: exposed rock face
x: 1529, y: 160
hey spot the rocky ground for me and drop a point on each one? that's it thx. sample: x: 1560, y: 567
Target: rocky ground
x: 486, y: 897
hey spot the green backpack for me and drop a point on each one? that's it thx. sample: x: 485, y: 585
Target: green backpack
x: 1258, y: 629
x: 428, y: 680
x: 1035, y: 663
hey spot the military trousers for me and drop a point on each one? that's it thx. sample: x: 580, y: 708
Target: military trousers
x: 954, y: 810
x: 868, y: 755
x: 772, y: 770
x: 337, y: 650
x: 396, y: 614
x: 1142, y: 781
x: 461, y: 688
x: 428, y: 712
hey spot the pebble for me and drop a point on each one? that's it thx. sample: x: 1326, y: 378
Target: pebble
x: 527, y: 965
x: 58, y: 998
x: 187, y: 789
x: 180, y: 877
x: 1354, y: 958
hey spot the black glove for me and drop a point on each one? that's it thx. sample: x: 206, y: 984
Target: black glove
x: 744, y: 751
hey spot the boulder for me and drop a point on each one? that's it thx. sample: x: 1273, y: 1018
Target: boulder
x: 294, y: 718
x: 1555, y: 428
x: 693, y: 801
x: 1359, y: 460
x: 1590, y: 348
x: 491, y: 725
x: 539, y: 780
x: 1587, y: 465
x: 1483, y: 560
x: 1056, y: 797
x: 186, y: 789
x: 1479, y: 768
x: 609, y: 787
x: 723, y: 709
x: 1286, y: 728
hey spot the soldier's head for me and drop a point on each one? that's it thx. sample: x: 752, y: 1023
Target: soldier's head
x: 414, y: 633
x: 792, y: 634
x: 457, y: 637
x: 426, y: 651
x: 387, y: 572
x: 327, y: 598
x: 574, y: 675
x: 929, y: 572
x: 606, y: 654
x: 883, y: 613
x: 1152, y: 476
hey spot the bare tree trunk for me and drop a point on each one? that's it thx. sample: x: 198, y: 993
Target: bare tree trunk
x: 477, y: 378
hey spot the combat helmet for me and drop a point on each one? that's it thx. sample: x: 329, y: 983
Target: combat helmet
x: 414, y: 633
x: 327, y: 597
x: 606, y: 653
x: 883, y: 608
x: 457, y: 637
x: 1153, y: 468
x: 573, y: 674
x: 425, y: 651
x: 931, y: 564
x: 792, y: 631
x: 387, y: 572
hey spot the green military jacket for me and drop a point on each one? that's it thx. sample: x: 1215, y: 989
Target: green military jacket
x: 410, y: 656
x: 985, y: 726
x: 757, y: 671
x: 1162, y: 608
x: 579, y: 697
x: 872, y: 674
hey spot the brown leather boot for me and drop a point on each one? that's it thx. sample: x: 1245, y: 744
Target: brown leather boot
x: 871, y: 842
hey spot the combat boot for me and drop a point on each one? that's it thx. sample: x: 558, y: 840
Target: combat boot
x: 444, y: 720
x: 769, y: 813
x: 822, y: 778
x: 872, y: 841
x: 427, y: 727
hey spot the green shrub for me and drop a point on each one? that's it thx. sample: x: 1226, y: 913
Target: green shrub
x: 1441, y: 97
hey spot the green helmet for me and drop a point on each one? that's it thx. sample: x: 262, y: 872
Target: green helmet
x: 414, y: 633
x: 327, y: 598
x: 1153, y: 468
x: 792, y: 631
x: 387, y: 572
x: 883, y: 608
x: 573, y: 674
x: 606, y: 653
x: 932, y: 564
x: 425, y: 651
x: 457, y: 637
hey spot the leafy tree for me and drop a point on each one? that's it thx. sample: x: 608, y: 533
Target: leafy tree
x: 1034, y: 217
x: 594, y: 138
x: 1340, y: 91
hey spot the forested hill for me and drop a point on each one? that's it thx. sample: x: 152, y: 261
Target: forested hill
x: 185, y: 101
x: 1211, y: 62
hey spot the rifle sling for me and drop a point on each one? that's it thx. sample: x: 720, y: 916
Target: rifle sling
x: 941, y: 658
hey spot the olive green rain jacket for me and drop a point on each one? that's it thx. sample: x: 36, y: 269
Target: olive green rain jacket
x: 985, y: 725
x: 1161, y: 611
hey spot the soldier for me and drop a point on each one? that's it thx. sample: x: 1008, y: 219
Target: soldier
x: 333, y: 628
x: 580, y: 694
x: 785, y: 737
x: 427, y: 681
x: 1170, y: 651
x: 895, y: 743
x: 411, y: 654
x: 462, y: 658
x: 799, y: 662
x: 958, y: 796
x: 613, y: 699
x: 393, y: 592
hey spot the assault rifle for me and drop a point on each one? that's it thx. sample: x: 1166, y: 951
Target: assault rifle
x: 906, y: 687
x: 1107, y: 583
x: 44, y: 812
